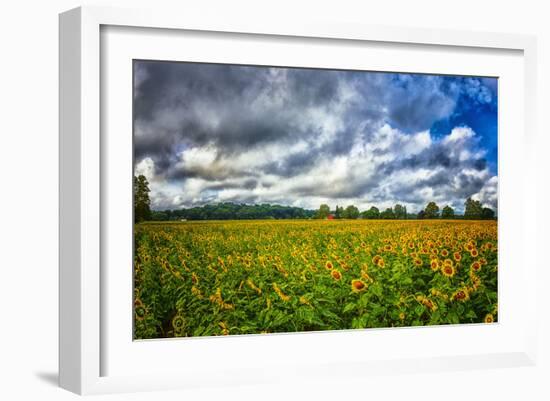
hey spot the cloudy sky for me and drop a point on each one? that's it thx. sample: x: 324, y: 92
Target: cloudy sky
x: 209, y: 133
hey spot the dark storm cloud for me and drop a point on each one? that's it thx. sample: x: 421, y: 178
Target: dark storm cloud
x: 437, y: 155
x: 292, y: 165
x: 233, y: 107
x: 418, y: 101
x: 238, y: 107
x: 207, y: 133
x: 232, y: 184
x: 350, y: 189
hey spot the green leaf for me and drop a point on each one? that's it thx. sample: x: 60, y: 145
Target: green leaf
x: 407, y: 281
x: 350, y: 307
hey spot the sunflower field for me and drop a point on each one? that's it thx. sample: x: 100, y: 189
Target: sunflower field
x: 268, y: 276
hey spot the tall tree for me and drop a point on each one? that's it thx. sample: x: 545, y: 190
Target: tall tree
x: 339, y: 212
x: 324, y: 211
x: 421, y: 215
x: 351, y: 212
x: 472, y: 209
x: 400, y: 211
x: 387, y: 214
x: 487, y: 213
x: 431, y: 211
x: 142, y: 203
x: 372, y: 213
x: 447, y: 212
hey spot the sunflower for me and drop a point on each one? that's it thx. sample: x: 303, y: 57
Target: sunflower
x: 358, y: 285
x: 448, y: 270
x: 224, y: 328
x: 329, y: 265
x: 402, y: 315
x: 457, y: 256
x: 461, y: 295
x: 474, y: 253
x: 178, y: 322
x: 489, y: 318
x: 436, y: 293
x: 196, y: 292
x: 428, y: 303
x: 444, y: 253
x: 476, y: 281
x: 381, y: 263
x: 475, y: 266
x: 336, y: 275
x: 376, y: 259
x: 253, y: 286
x: 366, y: 276
x: 284, y: 298
x: 140, y: 311
x: 418, y: 262
x: 434, y: 264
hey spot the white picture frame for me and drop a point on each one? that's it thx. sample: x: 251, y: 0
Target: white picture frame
x: 82, y: 179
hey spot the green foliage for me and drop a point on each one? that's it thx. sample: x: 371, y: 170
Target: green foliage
x: 372, y: 213
x: 447, y: 212
x: 234, y: 211
x: 487, y: 213
x: 351, y: 212
x: 323, y: 212
x: 431, y: 211
x: 142, y: 203
x: 387, y: 214
x: 472, y: 209
x: 400, y: 211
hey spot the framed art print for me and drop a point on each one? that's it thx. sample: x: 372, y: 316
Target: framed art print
x: 239, y: 172
x: 231, y: 190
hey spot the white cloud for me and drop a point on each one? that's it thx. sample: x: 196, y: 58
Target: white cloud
x: 146, y: 167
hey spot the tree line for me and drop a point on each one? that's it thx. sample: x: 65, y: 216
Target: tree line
x: 473, y: 210
x: 234, y: 211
